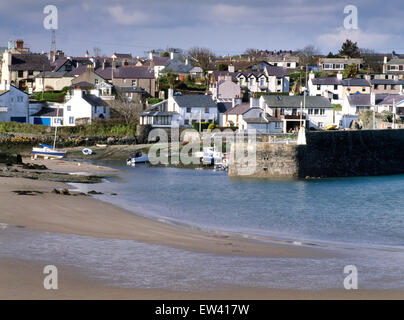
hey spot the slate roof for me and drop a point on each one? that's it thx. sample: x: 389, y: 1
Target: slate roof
x: 281, y: 101
x: 29, y: 62
x: 83, y: 84
x: 59, y: 63
x: 78, y: 71
x: 388, y: 99
x: 94, y: 100
x: 279, y: 72
x: 49, y: 112
x: 356, y: 83
x: 123, y: 72
x: 129, y: 89
x: 222, y: 107
x: 387, y: 81
x: 177, y: 66
x: 217, y: 74
x: 330, y: 81
x: 123, y: 55
x: 194, y: 101
x: 161, y: 61
x: 359, y: 99
x: 238, y: 109
x: 51, y: 74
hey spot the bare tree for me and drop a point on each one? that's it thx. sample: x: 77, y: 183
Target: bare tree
x: 372, y: 61
x: 201, y: 57
x: 253, y: 54
x: 309, y: 55
x: 97, y: 52
x: 127, y: 109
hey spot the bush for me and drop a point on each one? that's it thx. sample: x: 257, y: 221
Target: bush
x: 211, y: 126
x: 51, y: 96
x: 204, y: 126
x: 151, y: 101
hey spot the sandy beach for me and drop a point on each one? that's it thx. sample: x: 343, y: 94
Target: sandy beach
x: 86, y: 216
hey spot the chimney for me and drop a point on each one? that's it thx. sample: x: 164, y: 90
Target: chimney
x: 77, y: 92
x: 170, y: 92
x: 385, y: 60
x: 254, y: 102
x: 186, y: 61
x: 173, y: 55
x: 372, y: 99
x: 235, y: 101
x: 230, y: 68
x: 339, y: 76
x: 151, y: 54
x: 311, y: 75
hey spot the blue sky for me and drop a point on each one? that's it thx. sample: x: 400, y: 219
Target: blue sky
x: 227, y: 27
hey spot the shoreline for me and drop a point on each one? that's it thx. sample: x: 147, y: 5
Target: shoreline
x: 86, y: 216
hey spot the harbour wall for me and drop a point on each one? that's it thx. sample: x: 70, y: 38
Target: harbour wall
x: 328, y: 154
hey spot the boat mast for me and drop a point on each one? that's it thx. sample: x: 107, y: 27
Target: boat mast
x: 56, y: 128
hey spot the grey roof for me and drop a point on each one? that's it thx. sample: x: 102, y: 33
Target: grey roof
x: 59, y: 63
x: 279, y: 72
x: 238, y: 109
x: 29, y: 62
x: 356, y: 82
x: 177, y: 66
x: 123, y: 55
x: 341, y: 60
x: 255, y: 120
x: 217, y: 74
x: 394, y: 61
x: 388, y: 99
x: 359, y: 99
x: 194, y: 101
x: 82, y: 84
x: 131, y: 72
x: 281, y: 101
x: 129, y: 89
x: 161, y: 61
x: 94, y: 100
x: 49, y: 112
x: 77, y: 71
x: 387, y: 81
x: 330, y: 81
x: 158, y: 113
x: 52, y: 74
x: 222, y: 107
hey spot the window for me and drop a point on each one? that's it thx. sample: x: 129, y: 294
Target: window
x: 20, y: 74
x: 318, y: 87
x: 186, y: 121
x: 288, y: 65
x: 393, y: 86
x: 71, y: 120
x: 206, y: 110
x: 262, y: 82
x: 316, y: 111
x: 134, y: 83
x: 364, y: 89
x: 320, y: 124
x: 20, y: 99
x: 336, y: 87
x: 322, y: 112
x: 278, y: 125
x: 30, y: 73
x: 376, y: 86
x: 310, y: 111
x: 279, y: 82
x: 335, y: 96
x: 69, y: 108
x: 95, y: 81
x: 188, y: 110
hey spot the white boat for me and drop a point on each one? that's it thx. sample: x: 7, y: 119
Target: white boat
x: 211, y: 156
x: 87, y: 151
x: 48, y: 152
x: 137, y: 157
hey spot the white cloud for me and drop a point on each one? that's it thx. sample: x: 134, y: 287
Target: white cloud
x: 129, y: 17
x: 364, y: 39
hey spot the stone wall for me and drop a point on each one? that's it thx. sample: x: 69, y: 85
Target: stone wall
x: 332, y: 154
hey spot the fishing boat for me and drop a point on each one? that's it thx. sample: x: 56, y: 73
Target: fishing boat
x: 137, y: 157
x: 48, y: 152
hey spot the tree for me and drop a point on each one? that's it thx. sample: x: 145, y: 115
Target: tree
x: 308, y: 55
x: 201, y: 57
x: 349, y: 49
x: 351, y: 71
x: 128, y: 110
x: 165, y: 54
x: 222, y: 67
x: 372, y: 61
x: 253, y: 54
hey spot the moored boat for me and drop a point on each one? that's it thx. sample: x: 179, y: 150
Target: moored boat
x: 48, y: 152
x: 137, y: 157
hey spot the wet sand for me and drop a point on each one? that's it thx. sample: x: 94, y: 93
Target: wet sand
x: 83, y: 215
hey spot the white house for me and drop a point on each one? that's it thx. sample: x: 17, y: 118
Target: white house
x: 316, y: 112
x: 14, y: 104
x: 249, y: 116
x: 224, y: 88
x: 85, y: 108
x: 181, y: 110
x: 330, y: 87
x: 272, y: 79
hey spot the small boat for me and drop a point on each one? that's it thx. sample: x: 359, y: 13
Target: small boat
x: 48, y: 152
x: 101, y: 145
x: 331, y: 127
x: 137, y: 157
x: 87, y: 151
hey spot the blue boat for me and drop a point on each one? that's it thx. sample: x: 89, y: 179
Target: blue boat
x: 48, y: 152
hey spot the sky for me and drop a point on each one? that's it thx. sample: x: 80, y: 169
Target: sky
x: 227, y: 27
